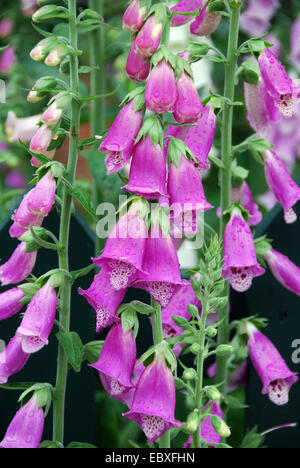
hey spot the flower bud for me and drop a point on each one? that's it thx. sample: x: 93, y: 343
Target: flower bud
x: 189, y: 374
x: 49, y: 12
x: 134, y: 16
x: 41, y: 89
x: 18, y: 267
x: 224, y: 350
x: 220, y: 426
x: 137, y: 66
x: 148, y: 39
x: 56, y: 55
x: 195, y: 348
x: 6, y: 27
x: 41, y: 199
x: 161, y: 91
x: 54, y: 113
x: 211, y: 332
x: 43, y: 48
x: 213, y: 393
x: 41, y: 140
x: 7, y: 60
x: 193, y: 422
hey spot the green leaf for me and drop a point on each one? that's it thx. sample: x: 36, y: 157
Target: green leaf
x: 253, y: 439
x: 216, y: 161
x: 17, y: 386
x: 80, y: 445
x: 259, y: 144
x: 73, y: 347
x: 84, y: 199
x: 92, y: 351
x: 50, y: 444
x: 234, y: 402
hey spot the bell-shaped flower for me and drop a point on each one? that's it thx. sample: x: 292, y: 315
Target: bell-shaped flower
x: 6, y: 27
x: 41, y: 140
x: 279, y: 85
x: 206, y: 23
x: 117, y: 360
x: 41, y: 199
x: 148, y: 39
x: 12, y: 359
x: 276, y: 377
x: 7, y: 60
x: 18, y: 267
x: 38, y: 319
x: 282, y: 185
x: 23, y: 218
x: 124, y: 250
x: 21, y: 128
x: 137, y: 66
x: 188, y: 107
x: 262, y: 113
x: 244, y: 195
x: 26, y: 429
x: 104, y: 299
x: 55, y: 111
x: 185, y: 6
x: 207, y: 431
x: 187, y: 197
x: 119, y: 142
x: 161, y: 90
x: 134, y: 16
x: 148, y: 170
x: 162, y: 278
x: 153, y: 405
x: 284, y: 270
x: 255, y: 20
x: 240, y: 262
x: 10, y: 303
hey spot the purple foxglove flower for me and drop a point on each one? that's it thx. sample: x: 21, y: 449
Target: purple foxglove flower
x: 186, y: 194
x: 41, y: 199
x: 9, y: 303
x: 148, y: 39
x: 137, y: 66
x: 7, y: 60
x: 178, y: 306
x: 276, y: 377
x: 21, y: 129
x: 262, y: 112
x: 295, y: 45
x: 153, y: 405
x: 26, y: 429
x: 23, y: 218
x: 185, y: 6
x: 148, y: 170
x: 12, y: 359
x: 284, y: 270
x: 240, y: 263
x: 161, y: 91
x: 15, y: 180
x: 256, y: 18
x: 282, y: 185
x: 6, y: 27
x: 206, y: 430
x: 236, y: 378
x: 245, y: 196
x: 268, y: 200
x: 52, y: 115
x: 280, y: 86
x: 162, y: 279
x: 134, y: 16
x: 206, y: 23
x: 104, y: 299
x: 119, y: 142
x: 124, y: 250
x: 41, y: 140
x: 188, y: 107
x: 18, y: 267
x: 117, y: 361
x: 38, y: 320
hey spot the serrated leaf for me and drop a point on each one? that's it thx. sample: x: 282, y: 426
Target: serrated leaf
x: 73, y: 347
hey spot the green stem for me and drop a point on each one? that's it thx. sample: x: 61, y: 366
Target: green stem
x: 226, y: 179
x: 164, y: 440
x: 65, y: 297
x: 98, y: 87
x: 200, y: 367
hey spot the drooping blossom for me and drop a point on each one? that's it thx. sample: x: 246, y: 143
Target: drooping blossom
x: 284, y: 270
x: 188, y: 107
x: 185, y: 6
x: 295, y: 45
x: 148, y: 39
x: 41, y: 140
x: 18, y: 267
x: 240, y: 262
x: 154, y: 400
x: 12, y: 359
x: 137, y: 66
x: 244, y: 195
x: 55, y: 111
x: 161, y: 91
x: 117, y: 360
x: 255, y: 20
x: 279, y: 85
x: 206, y: 23
x: 104, y: 299
x: 21, y: 128
x: 148, y: 170
x: 276, y: 377
x: 42, y: 198
x: 282, y: 185
x: 23, y: 218
x: 26, y: 429
x: 119, y: 142
x: 38, y: 319
x: 10, y: 303
x: 134, y: 16
x: 7, y: 60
